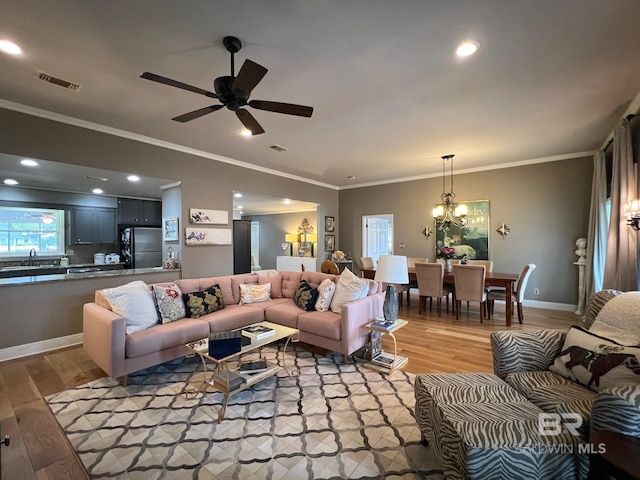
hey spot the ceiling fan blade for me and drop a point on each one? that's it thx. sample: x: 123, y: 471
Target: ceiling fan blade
x: 201, y: 112
x: 278, y: 107
x: 249, y: 122
x: 174, y: 83
x: 249, y: 76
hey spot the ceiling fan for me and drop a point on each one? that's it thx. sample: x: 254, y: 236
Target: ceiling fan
x: 233, y: 92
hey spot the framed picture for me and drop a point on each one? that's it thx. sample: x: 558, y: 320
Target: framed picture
x: 473, y: 241
x: 329, y: 243
x: 329, y: 224
x: 376, y: 344
x: 170, y: 229
x: 210, y: 217
x: 207, y: 236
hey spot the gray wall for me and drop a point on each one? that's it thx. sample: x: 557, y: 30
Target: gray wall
x: 206, y: 183
x: 546, y: 206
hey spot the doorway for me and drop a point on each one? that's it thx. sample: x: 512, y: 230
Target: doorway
x: 377, y: 236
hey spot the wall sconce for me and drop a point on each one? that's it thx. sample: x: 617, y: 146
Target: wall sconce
x: 291, y: 238
x: 632, y: 212
x: 503, y: 230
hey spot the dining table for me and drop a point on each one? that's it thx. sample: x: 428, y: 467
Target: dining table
x: 491, y: 279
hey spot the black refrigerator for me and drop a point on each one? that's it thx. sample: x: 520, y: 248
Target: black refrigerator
x: 141, y: 247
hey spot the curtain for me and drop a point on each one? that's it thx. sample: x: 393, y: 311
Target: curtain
x: 621, y: 266
x: 597, y: 233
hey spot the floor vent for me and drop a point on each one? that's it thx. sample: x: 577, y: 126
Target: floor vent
x: 58, y: 81
x: 278, y: 148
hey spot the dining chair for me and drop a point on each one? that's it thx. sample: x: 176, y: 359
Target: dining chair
x: 366, y: 263
x: 411, y: 264
x: 488, y: 264
x: 469, y: 286
x: 515, y: 297
x: 430, y: 285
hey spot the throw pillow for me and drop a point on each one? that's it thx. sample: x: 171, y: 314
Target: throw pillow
x: 305, y: 296
x: 326, y: 289
x: 348, y: 288
x: 596, y: 362
x: 201, y: 303
x: 255, y: 293
x: 618, y: 319
x: 134, y: 303
x: 169, y: 302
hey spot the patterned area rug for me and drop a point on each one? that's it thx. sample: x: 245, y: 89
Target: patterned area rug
x: 331, y: 421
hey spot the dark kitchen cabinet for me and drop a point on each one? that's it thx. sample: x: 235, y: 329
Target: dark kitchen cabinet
x: 132, y: 211
x: 92, y: 226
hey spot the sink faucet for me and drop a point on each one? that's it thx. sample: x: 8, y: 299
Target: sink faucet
x: 32, y: 256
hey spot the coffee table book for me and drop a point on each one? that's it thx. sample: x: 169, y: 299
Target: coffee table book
x: 386, y: 359
x: 258, y: 332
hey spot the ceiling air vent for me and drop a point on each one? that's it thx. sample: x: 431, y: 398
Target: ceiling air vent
x: 278, y: 148
x: 58, y: 81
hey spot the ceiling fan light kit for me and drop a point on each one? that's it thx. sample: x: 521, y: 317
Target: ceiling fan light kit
x: 233, y: 92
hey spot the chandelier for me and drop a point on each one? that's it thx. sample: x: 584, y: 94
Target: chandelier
x: 449, y: 214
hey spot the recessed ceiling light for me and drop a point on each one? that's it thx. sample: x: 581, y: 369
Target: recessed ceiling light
x: 7, y: 46
x: 239, y: 207
x: 97, y: 191
x: 245, y: 132
x: 133, y: 178
x: 10, y: 181
x: 237, y: 195
x: 287, y: 201
x: 467, y: 48
x: 27, y: 162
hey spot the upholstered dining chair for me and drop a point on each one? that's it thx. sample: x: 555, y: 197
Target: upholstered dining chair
x: 411, y: 264
x: 517, y: 296
x: 430, y: 277
x: 488, y: 264
x: 469, y: 286
x: 366, y: 263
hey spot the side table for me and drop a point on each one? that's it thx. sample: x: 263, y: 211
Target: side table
x: 385, y: 362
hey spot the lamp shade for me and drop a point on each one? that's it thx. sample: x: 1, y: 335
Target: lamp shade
x: 632, y: 208
x: 291, y: 237
x: 392, y: 269
x: 311, y: 237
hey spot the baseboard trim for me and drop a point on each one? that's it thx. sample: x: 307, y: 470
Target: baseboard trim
x: 28, y: 349
x: 565, y: 307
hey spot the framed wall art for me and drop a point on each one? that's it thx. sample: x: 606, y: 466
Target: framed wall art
x: 170, y: 229
x: 329, y: 224
x: 473, y: 241
x: 329, y: 243
x: 207, y: 236
x: 208, y: 217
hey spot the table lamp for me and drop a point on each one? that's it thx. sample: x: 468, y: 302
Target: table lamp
x: 391, y: 269
x: 291, y: 238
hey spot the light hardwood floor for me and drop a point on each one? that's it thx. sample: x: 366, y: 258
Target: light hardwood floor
x: 39, y: 449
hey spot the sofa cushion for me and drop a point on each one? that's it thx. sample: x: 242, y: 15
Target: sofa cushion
x: 315, y: 278
x: 348, y: 288
x: 188, y: 285
x: 133, y: 302
x: 201, y: 303
x: 324, y: 324
x: 232, y: 317
x: 284, y: 313
x: 276, y: 284
x: 225, y: 286
x: 169, y: 302
x: 290, y: 282
x: 162, y: 336
x: 254, y: 293
x: 326, y: 289
x: 305, y: 297
x: 244, y: 279
x: 618, y: 319
x: 597, y: 362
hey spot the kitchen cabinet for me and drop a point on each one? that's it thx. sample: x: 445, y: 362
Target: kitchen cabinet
x: 93, y: 226
x: 132, y: 211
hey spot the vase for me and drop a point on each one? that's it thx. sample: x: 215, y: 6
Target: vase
x: 390, y: 304
x: 447, y: 265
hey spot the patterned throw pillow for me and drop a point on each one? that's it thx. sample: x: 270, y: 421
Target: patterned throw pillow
x: 169, y: 302
x: 597, y: 362
x: 251, y: 293
x: 305, y: 296
x: 326, y: 289
x: 201, y: 303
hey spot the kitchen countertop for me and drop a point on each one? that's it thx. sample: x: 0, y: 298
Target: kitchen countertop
x: 37, y: 279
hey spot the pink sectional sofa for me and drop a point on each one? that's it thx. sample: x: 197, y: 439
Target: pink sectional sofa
x: 118, y: 353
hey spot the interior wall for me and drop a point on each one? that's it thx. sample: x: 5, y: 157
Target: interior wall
x: 545, y: 205
x: 205, y: 183
x: 172, y: 207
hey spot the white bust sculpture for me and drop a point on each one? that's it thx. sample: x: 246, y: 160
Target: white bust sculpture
x: 581, y: 243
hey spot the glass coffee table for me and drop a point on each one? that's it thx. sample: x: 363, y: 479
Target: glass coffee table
x: 226, y: 377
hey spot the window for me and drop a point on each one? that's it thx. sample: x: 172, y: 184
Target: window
x: 22, y: 229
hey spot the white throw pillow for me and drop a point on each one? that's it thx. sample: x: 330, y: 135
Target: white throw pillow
x: 251, y: 293
x: 349, y: 288
x: 134, y: 303
x: 326, y: 289
x: 618, y: 319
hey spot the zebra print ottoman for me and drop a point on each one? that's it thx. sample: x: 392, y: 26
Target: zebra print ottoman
x: 481, y: 428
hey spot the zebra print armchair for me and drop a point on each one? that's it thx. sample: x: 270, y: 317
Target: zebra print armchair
x: 612, y: 416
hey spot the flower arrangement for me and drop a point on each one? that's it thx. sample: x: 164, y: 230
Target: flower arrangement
x: 338, y: 255
x: 446, y: 252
